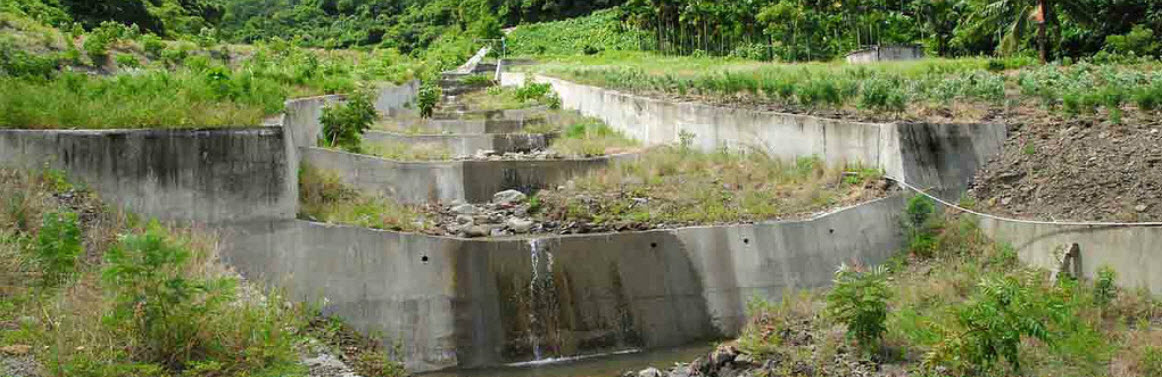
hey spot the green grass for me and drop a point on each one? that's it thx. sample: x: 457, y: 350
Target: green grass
x: 590, y: 137
x: 97, y: 316
x: 912, y: 89
x: 676, y: 186
x: 407, y: 152
x: 325, y: 198
x: 174, y: 84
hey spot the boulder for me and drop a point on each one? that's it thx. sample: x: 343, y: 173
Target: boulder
x: 509, y: 197
x: 519, y: 225
x: 650, y: 372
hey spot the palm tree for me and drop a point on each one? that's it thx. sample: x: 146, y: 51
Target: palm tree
x: 1016, y: 15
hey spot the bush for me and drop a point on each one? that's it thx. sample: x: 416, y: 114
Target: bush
x: 345, y: 123
x: 919, y: 217
x: 1002, y: 312
x: 859, y: 300
x: 58, y: 245
x: 153, y: 45
x: 160, y: 306
x: 1104, y: 288
x: 97, y: 47
x: 127, y: 61
x: 427, y: 98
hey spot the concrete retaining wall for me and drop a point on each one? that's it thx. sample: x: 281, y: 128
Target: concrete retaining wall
x: 458, y: 302
x: 204, y: 176
x: 446, y: 181
x: 393, y: 98
x: 928, y: 155
x: 467, y: 144
x: 1132, y: 251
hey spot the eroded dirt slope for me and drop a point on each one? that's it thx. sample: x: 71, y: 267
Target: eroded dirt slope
x: 1076, y: 170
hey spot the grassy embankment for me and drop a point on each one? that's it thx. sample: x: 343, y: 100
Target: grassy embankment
x: 966, y: 89
x: 956, y: 304
x: 89, y: 291
x: 143, y: 81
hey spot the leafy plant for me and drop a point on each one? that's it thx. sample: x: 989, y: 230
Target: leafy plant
x: 1104, y: 288
x: 345, y: 123
x: 859, y: 300
x: 918, y: 225
x: 1002, y: 312
x: 58, y: 245
x: 157, y: 303
x: 427, y: 98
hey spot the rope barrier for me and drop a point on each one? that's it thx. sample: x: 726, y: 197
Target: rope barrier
x: 994, y: 217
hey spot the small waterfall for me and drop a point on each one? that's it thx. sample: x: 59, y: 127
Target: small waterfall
x: 542, y: 303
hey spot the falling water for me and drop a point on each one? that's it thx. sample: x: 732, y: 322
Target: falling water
x: 542, y: 303
x: 534, y: 255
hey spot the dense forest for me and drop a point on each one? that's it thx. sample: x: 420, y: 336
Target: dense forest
x: 789, y: 30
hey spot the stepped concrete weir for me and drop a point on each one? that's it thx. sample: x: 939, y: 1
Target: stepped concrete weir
x: 454, y: 302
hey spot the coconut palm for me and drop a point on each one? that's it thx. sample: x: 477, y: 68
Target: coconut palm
x: 1017, y: 16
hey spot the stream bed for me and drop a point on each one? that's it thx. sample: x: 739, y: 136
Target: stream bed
x: 603, y: 365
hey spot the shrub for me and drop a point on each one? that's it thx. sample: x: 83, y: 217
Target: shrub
x: 153, y: 45
x: 427, y: 98
x: 58, y: 245
x: 1104, y: 288
x: 160, y: 306
x: 918, y: 225
x: 97, y: 47
x: 345, y: 123
x: 127, y: 61
x: 1002, y: 312
x: 859, y: 300
x: 532, y: 91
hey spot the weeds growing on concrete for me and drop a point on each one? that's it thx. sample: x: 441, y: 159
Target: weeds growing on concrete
x: 587, y: 137
x: 324, y: 197
x: 408, y: 152
x: 675, y: 186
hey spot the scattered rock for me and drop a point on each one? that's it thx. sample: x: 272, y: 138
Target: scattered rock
x: 508, y: 197
x: 477, y: 231
x: 1141, y: 207
x: 519, y: 226
x: 722, y: 355
x: 464, y: 219
x: 464, y: 209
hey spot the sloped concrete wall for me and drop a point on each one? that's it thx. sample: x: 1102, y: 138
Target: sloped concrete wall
x: 1131, y: 251
x: 467, y: 144
x: 941, y: 156
x: 459, y: 302
x: 417, y: 182
x: 405, y: 182
x: 204, y: 176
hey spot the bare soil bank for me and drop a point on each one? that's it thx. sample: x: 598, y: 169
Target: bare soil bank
x: 1059, y: 169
